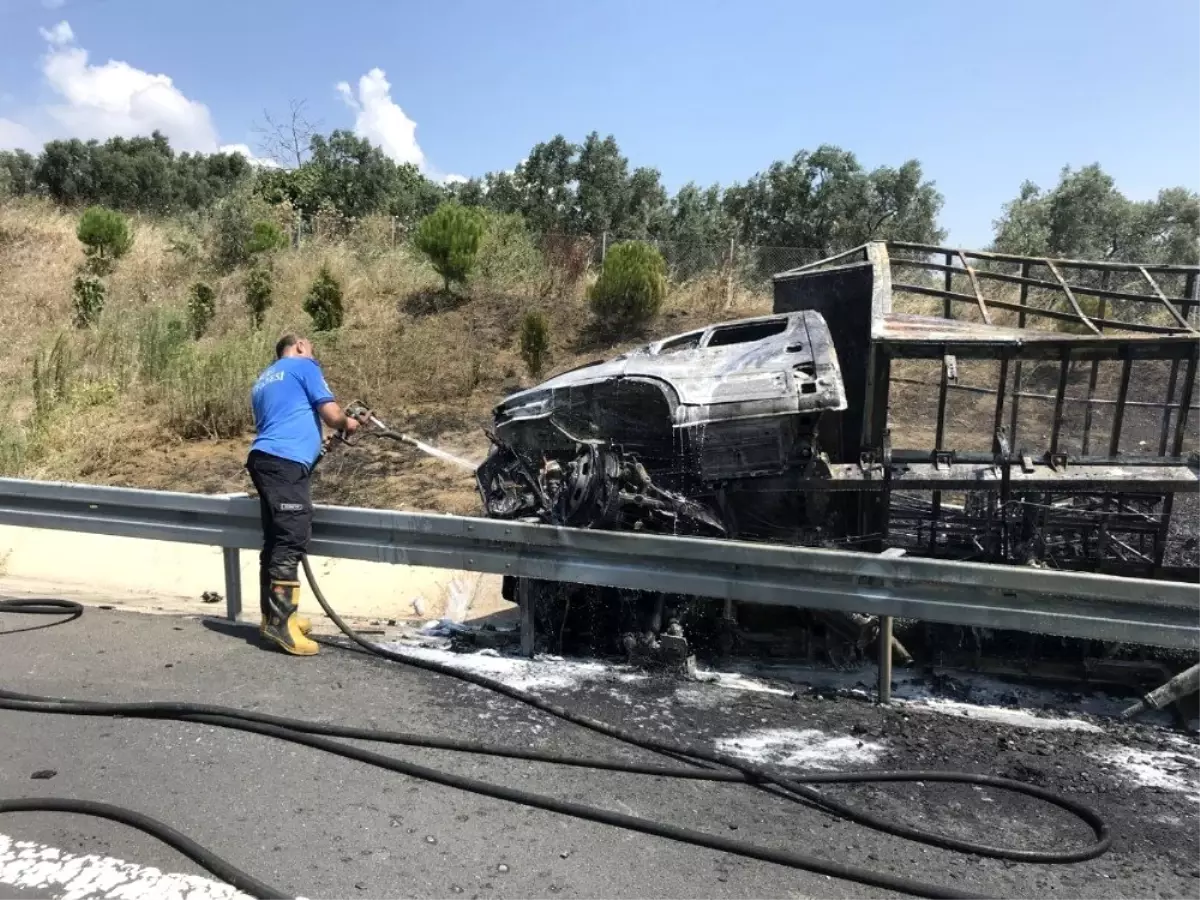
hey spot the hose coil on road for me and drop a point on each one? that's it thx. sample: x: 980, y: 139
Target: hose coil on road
x: 797, y: 788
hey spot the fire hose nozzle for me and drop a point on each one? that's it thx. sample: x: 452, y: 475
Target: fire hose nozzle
x: 1185, y: 683
x: 359, y: 410
x: 356, y: 409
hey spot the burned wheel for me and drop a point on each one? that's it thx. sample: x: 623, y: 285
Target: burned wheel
x: 590, y: 496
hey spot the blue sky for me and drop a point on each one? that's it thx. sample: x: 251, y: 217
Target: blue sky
x: 984, y: 95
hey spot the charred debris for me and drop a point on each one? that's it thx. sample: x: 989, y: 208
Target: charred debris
x: 954, y: 405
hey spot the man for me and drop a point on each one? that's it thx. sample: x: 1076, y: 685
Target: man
x: 290, y: 401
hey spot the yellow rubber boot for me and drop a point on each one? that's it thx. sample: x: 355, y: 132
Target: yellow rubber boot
x: 303, y: 624
x: 281, y: 628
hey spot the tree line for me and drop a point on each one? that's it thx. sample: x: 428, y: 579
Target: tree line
x: 823, y: 199
x: 1085, y: 217
x: 141, y: 174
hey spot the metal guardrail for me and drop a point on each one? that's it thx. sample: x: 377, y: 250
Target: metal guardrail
x: 1081, y: 605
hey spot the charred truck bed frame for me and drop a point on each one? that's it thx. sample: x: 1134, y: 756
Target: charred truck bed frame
x: 959, y: 405
x: 1080, y: 375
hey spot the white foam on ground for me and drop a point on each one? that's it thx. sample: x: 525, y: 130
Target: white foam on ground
x: 1020, y: 705
x: 807, y: 748
x: 1014, y: 718
x: 549, y: 673
x: 736, y: 682
x: 1173, y: 770
x: 26, y: 865
x: 538, y: 674
x: 1035, y: 707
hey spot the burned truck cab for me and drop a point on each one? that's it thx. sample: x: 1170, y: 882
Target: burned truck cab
x: 679, y: 422
x: 712, y: 432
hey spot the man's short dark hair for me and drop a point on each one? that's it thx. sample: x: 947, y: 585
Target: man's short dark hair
x: 282, y: 345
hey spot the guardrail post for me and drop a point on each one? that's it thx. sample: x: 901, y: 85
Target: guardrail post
x: 525, y: 600
x: 885, y: 659
x: 233, y: 582
x: 885, y: 643
x: 233, y: 572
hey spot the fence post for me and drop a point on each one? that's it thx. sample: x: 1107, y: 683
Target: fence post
x: 393, y: 232
x: 729, y: 279
x: 603, y: 245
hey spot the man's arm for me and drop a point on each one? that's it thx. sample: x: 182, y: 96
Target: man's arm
x: 321, y: 397
x: 333, y: 417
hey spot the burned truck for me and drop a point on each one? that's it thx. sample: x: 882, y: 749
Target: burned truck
x: 958, y: 405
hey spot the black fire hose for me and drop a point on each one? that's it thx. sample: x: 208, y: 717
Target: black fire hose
x: 317, y: 735
x: 227, y: 872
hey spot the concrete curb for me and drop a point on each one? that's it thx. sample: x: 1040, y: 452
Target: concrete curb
x: 155, y: 576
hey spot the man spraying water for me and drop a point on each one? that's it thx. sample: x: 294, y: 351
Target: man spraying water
x: 290, y: 401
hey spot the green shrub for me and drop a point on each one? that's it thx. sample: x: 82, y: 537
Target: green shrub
x: 508, y: 257
x: 450, y: 236
x: 535, y: 341
x: 202, y: 306
x: 105, y: 236
x: 259, y: 287
x: 237, y: 225
x: 87, y: 296
x: 206, y: 389
x: 324, y: 301
x: 265, y: 236
x: 631, y: 287
x: 51, y: 378
x: 162, y: 336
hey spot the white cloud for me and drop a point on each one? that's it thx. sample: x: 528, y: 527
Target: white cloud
x: 103, y: 101
x: 111, y: 99
x: 15, y: 136
x: 380, y: 120
x: 59, y: 35
x: 117, y: 99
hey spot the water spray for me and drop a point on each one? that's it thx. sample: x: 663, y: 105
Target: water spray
x: 378, y: 428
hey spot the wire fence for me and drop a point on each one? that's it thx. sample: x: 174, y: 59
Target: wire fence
x: 747, y: 265
x: 740, y: 266
x: 733, y: 266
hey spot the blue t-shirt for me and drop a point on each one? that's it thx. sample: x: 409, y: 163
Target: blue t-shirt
x: 285, y: 399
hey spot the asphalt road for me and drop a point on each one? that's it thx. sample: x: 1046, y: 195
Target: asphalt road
x: 323, y: 826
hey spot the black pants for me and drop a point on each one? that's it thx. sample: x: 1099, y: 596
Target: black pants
x: 285, y: 496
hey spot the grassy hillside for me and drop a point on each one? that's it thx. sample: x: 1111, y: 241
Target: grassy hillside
x: 136, y: 401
